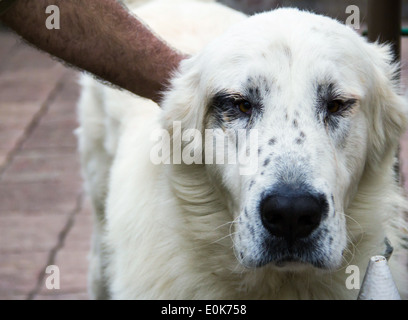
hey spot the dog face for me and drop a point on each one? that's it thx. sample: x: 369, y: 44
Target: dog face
x: 325, y: 111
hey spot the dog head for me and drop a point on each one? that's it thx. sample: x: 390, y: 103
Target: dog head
x: 325, y: 111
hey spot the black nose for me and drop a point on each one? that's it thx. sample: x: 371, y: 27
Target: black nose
x: 292, y: 214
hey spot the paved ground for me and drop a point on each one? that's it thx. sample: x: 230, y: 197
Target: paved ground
x: 44, y: 216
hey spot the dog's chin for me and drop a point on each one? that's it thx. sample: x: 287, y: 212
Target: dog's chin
x: 292, y: 264
x: 295, y: 265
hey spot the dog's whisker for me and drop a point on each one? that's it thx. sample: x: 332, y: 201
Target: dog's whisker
x: 209, y: 243
x: 355, y: 221
x: 226, y: 223
x: 224, y: 237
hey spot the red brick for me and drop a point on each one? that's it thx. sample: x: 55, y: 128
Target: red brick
x: 17, y: 114
x: 20, y: 87
x: 39, y: 197
x: 8, y: 42
x: 73, y: 271
x: 79, y: 237
x: 53, y: 134
x: 65, y: 104
x: 3, y: 156
x: 72, y: 260
x: 32, y: 233
x: 62, y: 295
x: 29, y: 59
x: 10, y: 137
x: 404, y: 159
x: 42, y: 165
x: 19, y: 273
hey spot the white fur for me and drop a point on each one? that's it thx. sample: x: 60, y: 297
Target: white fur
x: 175, y: 231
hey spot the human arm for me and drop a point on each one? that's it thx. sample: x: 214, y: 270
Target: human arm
x: 101, y: 37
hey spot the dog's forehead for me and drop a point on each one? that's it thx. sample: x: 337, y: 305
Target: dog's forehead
x: 290, y: 28
x: 273, y: 46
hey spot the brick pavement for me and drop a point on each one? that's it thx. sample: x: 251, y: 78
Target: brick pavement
x: 44, y: 216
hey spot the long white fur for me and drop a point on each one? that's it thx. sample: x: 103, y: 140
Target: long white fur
x: 164, y: 231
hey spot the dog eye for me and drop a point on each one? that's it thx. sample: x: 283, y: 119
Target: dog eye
x: 334, y: 106
x: 244, y: 106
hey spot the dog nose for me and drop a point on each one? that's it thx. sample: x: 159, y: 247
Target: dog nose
x: 292, y: 214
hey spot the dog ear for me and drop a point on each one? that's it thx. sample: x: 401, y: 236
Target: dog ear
x: 387, y: 107
x: 184, y: 102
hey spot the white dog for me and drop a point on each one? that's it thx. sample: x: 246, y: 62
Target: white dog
x: 323, y: 195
